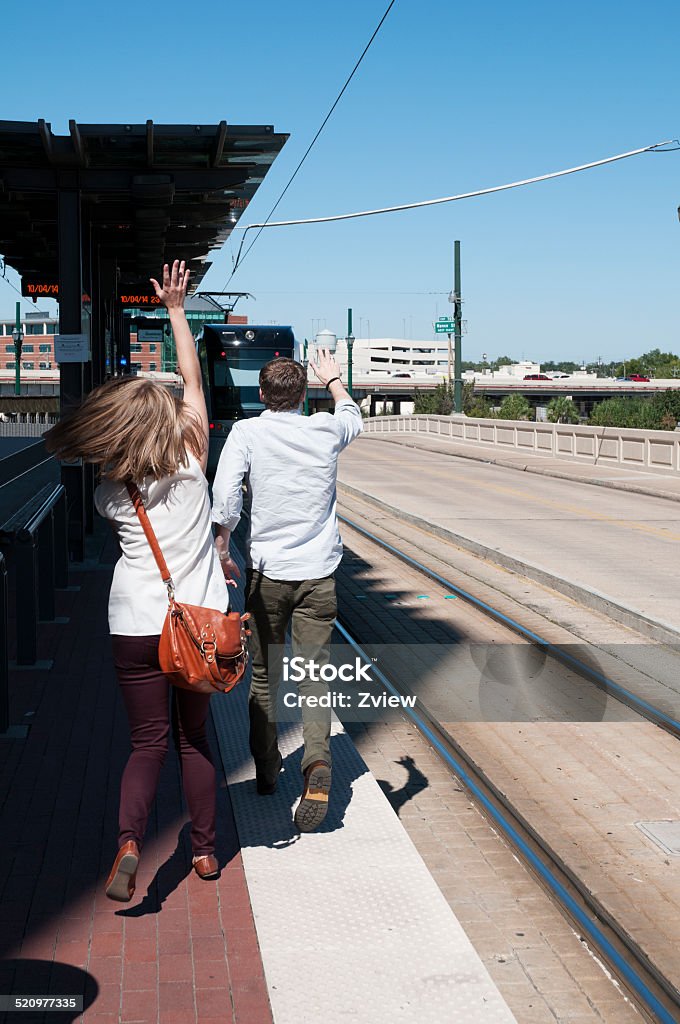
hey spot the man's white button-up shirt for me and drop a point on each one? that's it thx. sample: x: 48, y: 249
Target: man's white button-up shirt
x: 289, y: 462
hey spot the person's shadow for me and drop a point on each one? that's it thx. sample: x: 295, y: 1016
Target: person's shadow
x: 20, y: 977
x: 415, y: 783
x: 178, y: 865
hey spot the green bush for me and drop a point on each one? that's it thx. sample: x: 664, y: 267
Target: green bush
x: 515, y: 407
x: 562, y: 410
x: 659, y: 412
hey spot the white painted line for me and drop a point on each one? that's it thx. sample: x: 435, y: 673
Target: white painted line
x: 350, y: 922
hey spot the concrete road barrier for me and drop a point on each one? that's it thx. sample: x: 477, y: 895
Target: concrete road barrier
x: 653, y: 451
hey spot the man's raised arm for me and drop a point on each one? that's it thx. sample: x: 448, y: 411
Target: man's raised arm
x: 347, y: 411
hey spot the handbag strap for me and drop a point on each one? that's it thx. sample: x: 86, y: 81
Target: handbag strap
x: 138, y: 504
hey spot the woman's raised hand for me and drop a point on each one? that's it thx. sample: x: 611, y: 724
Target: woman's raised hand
x: 175, y: 283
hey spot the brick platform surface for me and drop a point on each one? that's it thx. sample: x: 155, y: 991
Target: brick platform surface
x: 183, y: 950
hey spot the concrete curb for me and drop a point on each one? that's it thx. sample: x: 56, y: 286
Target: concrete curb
x: 655, y: 629
x: 526, y: 467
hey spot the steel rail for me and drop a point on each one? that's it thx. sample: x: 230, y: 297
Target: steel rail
x: 643, y: 707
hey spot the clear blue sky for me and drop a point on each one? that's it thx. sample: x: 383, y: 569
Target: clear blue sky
x: 451, y: 97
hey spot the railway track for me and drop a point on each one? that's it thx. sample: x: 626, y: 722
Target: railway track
x: 655, y: 996
x: 611, y: 687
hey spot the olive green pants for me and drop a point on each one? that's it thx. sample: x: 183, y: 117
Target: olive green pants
x: 309, y: 607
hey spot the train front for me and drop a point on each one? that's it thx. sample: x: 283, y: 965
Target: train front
x: 232, y: 356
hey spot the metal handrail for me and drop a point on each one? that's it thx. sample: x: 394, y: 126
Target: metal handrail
x: 22, y: 461
x: 4, y: 656
x: 41, y: 512
x: 39, y: 533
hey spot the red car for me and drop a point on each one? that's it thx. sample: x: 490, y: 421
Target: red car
x: 639, y: 378
x: 536, y: 376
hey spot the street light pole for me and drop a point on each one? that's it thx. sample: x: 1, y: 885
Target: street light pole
x: 17, y: 338
x: 350, y: 345
x: 305, y: 363
x: 458, y: 325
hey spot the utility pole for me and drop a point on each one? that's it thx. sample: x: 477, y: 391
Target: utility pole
x: 458, y: 322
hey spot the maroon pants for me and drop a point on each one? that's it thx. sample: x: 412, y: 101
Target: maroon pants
x: 152, y: 704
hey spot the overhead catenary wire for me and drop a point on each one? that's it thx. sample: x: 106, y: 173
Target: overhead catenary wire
x: 240, y: 258
x: 462, y: 195
x: 3, y: 277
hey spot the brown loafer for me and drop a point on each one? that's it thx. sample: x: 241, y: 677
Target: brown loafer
x: 313, y: 805
x: 120, y: 884
x: 206, y: 867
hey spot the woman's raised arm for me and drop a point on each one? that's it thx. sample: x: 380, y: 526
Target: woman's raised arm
x: 172, y: 294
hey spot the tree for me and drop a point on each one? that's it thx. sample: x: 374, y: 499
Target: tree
x: 655, y: 363
x: 562, y: 410
x: 667, y: 406
x: 615, y: 412
x: 474, y: 404
x: 660, y: 412
x: 563, y: 367
x: 515, y: 407
x: 437, y: 403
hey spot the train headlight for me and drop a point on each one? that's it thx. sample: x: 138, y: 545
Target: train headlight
x: 250, y: 335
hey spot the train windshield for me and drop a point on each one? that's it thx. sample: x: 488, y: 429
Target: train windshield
x: 236, y: 389
x: 232, y: 358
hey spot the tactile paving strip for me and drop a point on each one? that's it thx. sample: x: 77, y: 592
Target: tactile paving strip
x: 350, y: 923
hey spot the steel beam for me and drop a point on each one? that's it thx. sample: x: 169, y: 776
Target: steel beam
x: 71, y: 374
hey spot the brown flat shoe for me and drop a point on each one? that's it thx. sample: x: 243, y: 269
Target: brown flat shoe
x: 206, y: 867
x: 120, y: 884
x: 313, y: 806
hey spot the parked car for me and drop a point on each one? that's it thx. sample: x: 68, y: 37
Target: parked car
x: 536, y: 376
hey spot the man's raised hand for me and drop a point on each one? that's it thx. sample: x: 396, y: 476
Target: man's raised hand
x: 325, y: 366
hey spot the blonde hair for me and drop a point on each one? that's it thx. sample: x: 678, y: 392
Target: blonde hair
x: 131, y: 427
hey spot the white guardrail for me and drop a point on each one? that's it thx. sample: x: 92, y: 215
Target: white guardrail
x: 654, y: 451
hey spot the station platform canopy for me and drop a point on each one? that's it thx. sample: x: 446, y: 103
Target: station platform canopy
x: 149, y: 192
x: 87, y: 218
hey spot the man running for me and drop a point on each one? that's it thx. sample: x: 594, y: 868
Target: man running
x: 292, y: 550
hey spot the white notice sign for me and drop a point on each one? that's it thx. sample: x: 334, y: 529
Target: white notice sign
x: 71, y: 348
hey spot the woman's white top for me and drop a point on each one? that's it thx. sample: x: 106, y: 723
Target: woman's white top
x: 178, y: 507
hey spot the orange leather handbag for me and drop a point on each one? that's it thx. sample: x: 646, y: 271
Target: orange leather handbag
x: 200, y: 649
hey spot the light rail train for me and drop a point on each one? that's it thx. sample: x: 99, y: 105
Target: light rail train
x: 232, y: 356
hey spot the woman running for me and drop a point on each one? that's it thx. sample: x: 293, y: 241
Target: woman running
x: 137, y: 431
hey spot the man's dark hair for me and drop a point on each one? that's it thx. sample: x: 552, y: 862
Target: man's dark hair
x: 283, y: 383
